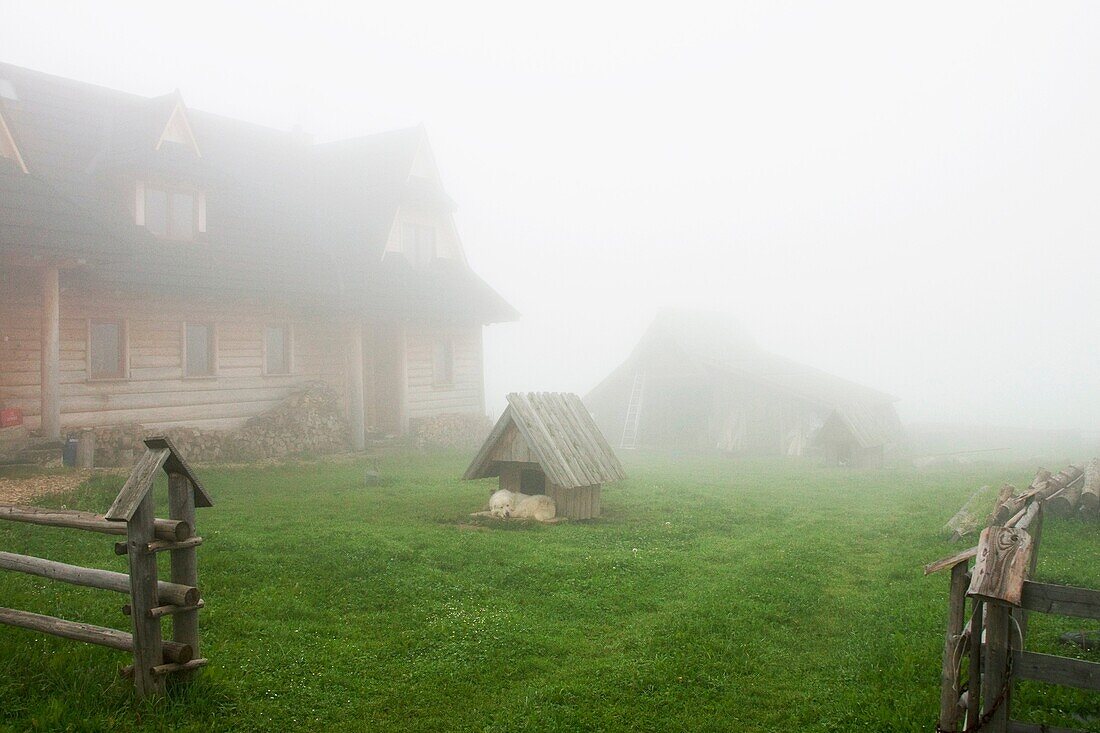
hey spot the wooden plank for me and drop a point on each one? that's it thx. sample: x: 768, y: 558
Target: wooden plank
x: 950, y: 562
x: 1057, y: 670
x: 137, y: 485
x: 177, y: 464
x: 1063, y: 600
x: 166, y: 529
x: 100, y: 635
x: 996, y: 687
x: 1015, y: 726
x: 148, y: 645
x: 1000, y: 568
x: 50, y: 361
x: 952, y: 649
x: 93, y: 577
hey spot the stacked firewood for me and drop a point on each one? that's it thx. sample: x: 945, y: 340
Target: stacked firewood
x: 308, y: 422
x: 1070, y: 492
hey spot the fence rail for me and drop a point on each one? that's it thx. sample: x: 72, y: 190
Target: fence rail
x: 132, y: 514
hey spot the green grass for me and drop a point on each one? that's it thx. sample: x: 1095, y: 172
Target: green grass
x: 712, y: 595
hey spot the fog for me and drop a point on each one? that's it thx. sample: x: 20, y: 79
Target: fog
x: 902, y: 194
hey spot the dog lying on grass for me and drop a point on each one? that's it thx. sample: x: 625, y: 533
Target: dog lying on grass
x: 506, y: 504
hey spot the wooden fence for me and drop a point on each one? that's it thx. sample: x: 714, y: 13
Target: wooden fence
x: 986, y: 638
x: 132, y: 514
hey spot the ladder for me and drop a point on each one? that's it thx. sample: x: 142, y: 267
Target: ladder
x: 629, y: 439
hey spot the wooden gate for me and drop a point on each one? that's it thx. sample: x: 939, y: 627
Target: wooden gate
x: 984, y: 648
x: 132, y: 514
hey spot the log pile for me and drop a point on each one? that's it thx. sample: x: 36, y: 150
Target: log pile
x: 1070, y: 492
x: 461, y: 431
x: 309, y: 422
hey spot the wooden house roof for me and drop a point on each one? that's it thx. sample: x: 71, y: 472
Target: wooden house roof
x: 557, y: 432
x: 286, y: 218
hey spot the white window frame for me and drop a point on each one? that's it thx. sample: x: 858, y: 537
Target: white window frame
x: 198, y: 216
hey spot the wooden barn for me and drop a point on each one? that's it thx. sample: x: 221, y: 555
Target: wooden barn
x: 547, y: 443
x: 168, y: 267
x: 698, y: 381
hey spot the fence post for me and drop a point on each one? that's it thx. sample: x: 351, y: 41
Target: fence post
x: 998, y: 629
x: 148, y: 650
x: 181, y: 506
x: 949, y: 676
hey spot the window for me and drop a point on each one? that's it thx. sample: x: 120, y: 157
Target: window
x: 171, y: 214
x: 199, y: 350
x: 443, y: 362
x: 106, y: 350
x: 277, y: 350
x: 418, y: 241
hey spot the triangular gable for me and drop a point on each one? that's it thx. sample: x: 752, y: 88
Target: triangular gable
x: 423, y: 163
x: 178, y: 130
x: 8, y: 148
x: 159, y: 454
x: 558, y: 433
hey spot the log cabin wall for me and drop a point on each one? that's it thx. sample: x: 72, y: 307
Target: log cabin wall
x: 155, y: 393
x: 430, y: 393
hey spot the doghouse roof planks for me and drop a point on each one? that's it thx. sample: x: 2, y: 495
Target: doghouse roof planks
x: 558, y: 433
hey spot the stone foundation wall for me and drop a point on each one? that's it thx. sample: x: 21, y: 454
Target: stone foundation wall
x: 459, y: 431
x: 309, y: 422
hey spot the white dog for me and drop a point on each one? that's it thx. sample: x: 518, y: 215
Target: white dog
x: 506, y: 504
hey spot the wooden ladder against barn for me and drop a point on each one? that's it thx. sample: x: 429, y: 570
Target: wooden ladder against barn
x: 629, y: 440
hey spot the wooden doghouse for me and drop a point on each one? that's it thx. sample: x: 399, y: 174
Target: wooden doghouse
x: 547, y: 443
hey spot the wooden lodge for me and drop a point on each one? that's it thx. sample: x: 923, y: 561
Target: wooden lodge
x: 547, y: 443
x: 698, y: 381
x: 173, y: 268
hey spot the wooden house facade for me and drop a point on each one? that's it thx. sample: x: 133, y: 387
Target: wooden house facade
x: 547, y: 443
x: 169, y: 267
x: 697, y: 381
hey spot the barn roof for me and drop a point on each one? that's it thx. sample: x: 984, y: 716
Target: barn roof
x: 717, y: 344
x: 559, y: 430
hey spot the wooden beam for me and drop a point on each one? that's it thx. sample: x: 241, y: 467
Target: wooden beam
x: 174, y: 593
x: 1015, y: 726
x: 1056, y: 670
x: 100, y: 635
x: 148, y: 645
x: 50, y: 355
x: 1063, y: 600
x: 952, y: 649
x: 166, y: 529
x: 357, y: 406
x: 996, y: 686
x: 161, y: 545
x: 137, y: 485
x: 950, y: 562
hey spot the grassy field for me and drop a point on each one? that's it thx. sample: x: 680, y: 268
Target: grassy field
x: 712, y: 595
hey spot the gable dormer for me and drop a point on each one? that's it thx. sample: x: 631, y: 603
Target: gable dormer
x: 8, y: 148
x: 177, y: 128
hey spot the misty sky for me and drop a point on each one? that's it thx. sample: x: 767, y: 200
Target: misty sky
x: 907, y: 195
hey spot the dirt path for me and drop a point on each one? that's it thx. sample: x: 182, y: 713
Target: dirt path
x: 25, y: 490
